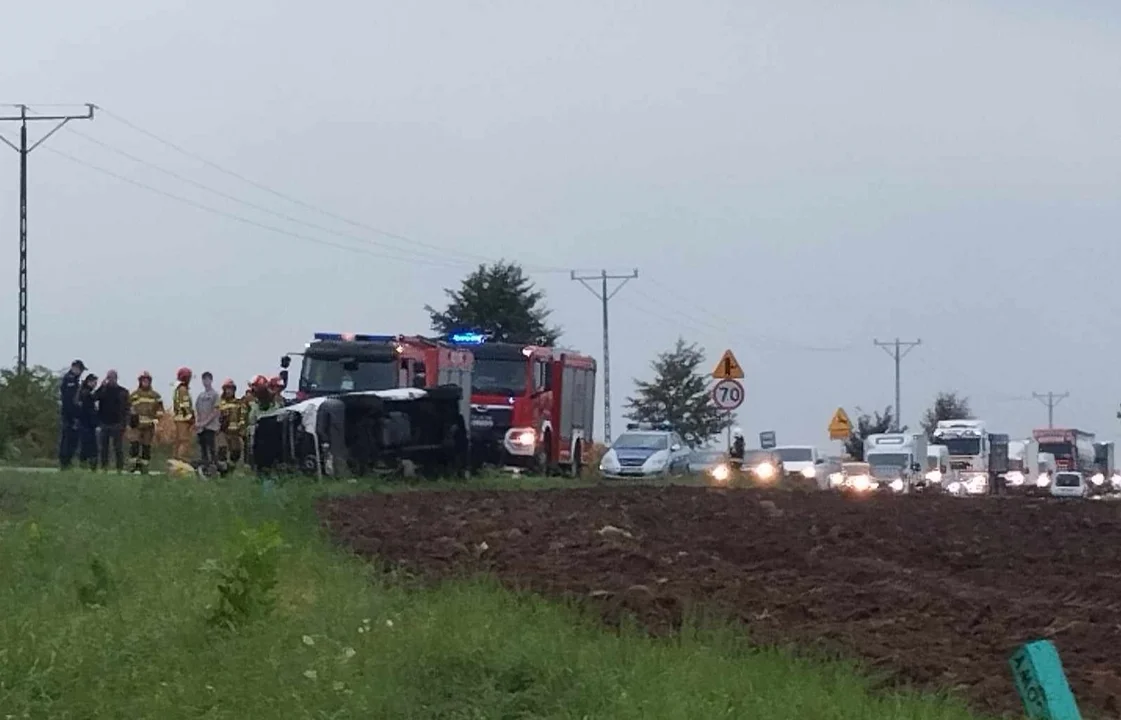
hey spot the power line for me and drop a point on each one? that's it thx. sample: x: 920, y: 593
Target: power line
x: 897, y: 349
x: 1051, y: 401
x: 306, y: 205
x: 260, y: 208
x: 604, y: 297
x: 248, y: 221
x: 24, y: 150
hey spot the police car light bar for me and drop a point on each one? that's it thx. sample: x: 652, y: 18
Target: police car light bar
x: 352, y: 337
x: 467, y: 338
x: 650, y: 426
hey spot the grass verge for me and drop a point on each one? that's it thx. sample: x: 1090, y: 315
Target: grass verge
x: 104, y: 600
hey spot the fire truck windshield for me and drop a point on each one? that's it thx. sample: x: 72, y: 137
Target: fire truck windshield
x: 500, y: 376
x: 334, y: 374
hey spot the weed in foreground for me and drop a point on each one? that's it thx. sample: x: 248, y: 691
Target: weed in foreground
x: 247, y: 582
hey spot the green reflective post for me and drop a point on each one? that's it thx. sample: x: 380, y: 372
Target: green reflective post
x: 1041, y: 682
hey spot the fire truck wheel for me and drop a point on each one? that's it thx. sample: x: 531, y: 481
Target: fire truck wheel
x: 541, y: 456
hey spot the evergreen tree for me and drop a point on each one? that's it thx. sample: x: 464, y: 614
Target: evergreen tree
x: 679, y: 395
x: 498, y: 300
x: 947, y: 406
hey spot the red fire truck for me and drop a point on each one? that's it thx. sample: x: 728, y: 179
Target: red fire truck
x: 532, y: 407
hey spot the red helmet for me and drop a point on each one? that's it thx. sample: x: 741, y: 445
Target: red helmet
x: 259, y: 381
x: 183, y: 374
x: 144, y: 376
x: 276, y: 382
x: 229, y: 383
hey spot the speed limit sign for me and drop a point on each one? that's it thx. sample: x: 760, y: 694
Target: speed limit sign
x: 728, y: 394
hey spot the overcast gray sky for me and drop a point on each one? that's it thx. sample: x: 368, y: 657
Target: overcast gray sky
x: 785, y: 176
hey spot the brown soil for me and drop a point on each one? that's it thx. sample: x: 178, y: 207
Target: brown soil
x: 937, y: 591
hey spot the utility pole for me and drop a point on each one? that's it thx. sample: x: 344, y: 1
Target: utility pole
x: 24, y: 150
x: 1051, y: 400
x: 898, y: 350
x: 604, y: 296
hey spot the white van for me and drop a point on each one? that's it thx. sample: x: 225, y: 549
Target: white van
x: 1070, y: 484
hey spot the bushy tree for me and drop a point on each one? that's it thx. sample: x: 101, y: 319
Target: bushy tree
x: 29, y: 413
x: 947, y: 406
x: 499, y: 300
x: 869, y: 425
x: 679, y: 394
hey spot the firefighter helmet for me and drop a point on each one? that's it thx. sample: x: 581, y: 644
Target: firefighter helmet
x: 276, y: 382
x: 183, y: 374
x: 144, y: 376
x: 259, y: 381
x: 229, y: 383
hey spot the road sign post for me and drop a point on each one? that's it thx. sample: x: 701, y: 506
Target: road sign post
x: 840, y: 428
x: 728, y: 368
x: 728, y: 394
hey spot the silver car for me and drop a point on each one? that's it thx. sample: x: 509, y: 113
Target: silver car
x: 704, y: 460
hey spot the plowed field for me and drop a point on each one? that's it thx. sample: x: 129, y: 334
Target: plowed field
x: 936, y: 591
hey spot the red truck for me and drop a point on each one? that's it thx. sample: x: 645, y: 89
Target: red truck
x: 1072, y: 449
x: 532, y: 407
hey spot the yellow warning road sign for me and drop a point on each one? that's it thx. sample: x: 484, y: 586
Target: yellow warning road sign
x: 840, y: 427
x: 728, y: 368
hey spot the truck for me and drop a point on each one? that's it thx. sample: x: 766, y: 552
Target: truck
x: 1024, y: 467
x: 532, y: 407
x: 998, y: 462
x: 1105, y: 471
x: 897, y: 460
x: 969, y: 448
x: 370, y: 402
x: 1072, y: 449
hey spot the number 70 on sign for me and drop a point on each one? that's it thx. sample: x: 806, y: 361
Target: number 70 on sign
x: 728, y: 394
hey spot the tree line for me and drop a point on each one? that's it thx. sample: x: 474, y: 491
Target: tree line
x: 498, y: 299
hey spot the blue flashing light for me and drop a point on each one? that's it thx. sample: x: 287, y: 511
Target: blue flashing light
x: 353, y: 337
x: 467, y: 338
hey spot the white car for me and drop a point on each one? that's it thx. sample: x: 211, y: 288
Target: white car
x: 1070, y: 484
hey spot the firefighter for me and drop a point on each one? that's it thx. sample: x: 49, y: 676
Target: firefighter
x: 264, y: 401
x: 276, y: 387
x: 247, y: 403
x: 232, y: 412
x: 738, y: 450
x: 145, y: 410
x: 183, y: 412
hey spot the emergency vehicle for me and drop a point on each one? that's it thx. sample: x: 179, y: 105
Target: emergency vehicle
x: 532, y: 407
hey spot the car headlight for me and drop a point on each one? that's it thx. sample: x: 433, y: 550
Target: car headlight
x: 1043, y: 480
x: 1115, y: 481
x: 860, y: 483
x: 609, y: 462
x: 897, y: 485
x: 721, y: 473
x: 1014, y: 478
x: 836, y: 478
x: 954, y: 487
x: 934, y: 476
x: 525, y: 438
x: 765, y: 470
x: 809, y: 473
x: 1098, y: 479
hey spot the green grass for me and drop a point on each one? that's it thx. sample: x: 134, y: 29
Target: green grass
x: 343, y: 641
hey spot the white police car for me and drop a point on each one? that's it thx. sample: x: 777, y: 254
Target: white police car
x: 645, y: 450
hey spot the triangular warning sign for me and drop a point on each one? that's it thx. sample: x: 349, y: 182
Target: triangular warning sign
x: 840, y: 426
x: 728, y: 368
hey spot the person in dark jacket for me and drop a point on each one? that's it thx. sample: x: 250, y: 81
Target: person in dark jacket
x: 113, y: 414
x: 87, y: 422
x: 68, y: 421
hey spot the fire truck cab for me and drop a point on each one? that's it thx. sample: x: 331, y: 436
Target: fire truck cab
x: 532, y: 407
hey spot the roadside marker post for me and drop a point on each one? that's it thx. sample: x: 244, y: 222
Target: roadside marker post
x: 1041, y: 683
